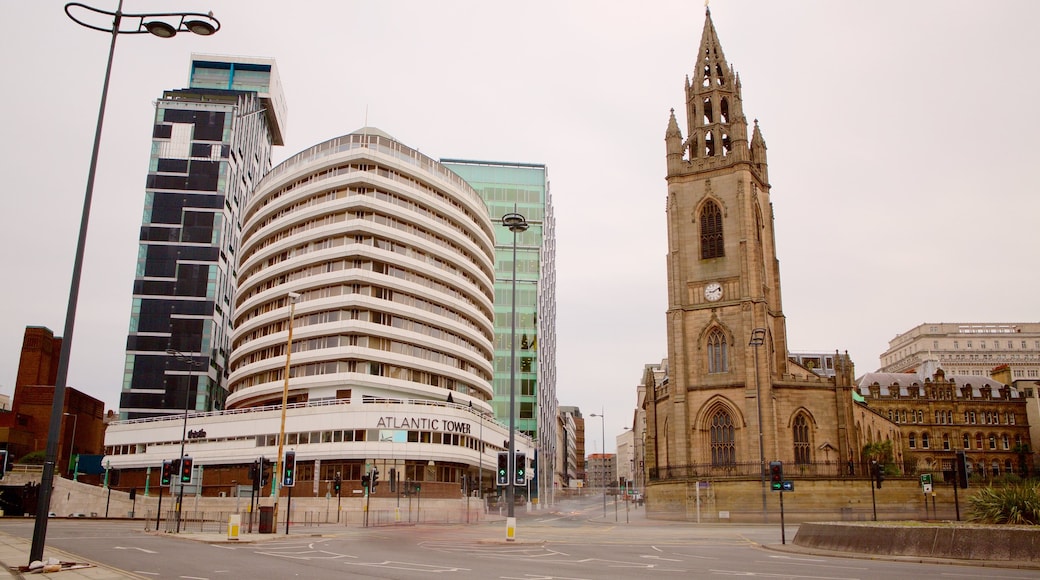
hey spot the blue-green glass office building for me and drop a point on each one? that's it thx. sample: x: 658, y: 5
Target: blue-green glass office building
x: 524, y: 188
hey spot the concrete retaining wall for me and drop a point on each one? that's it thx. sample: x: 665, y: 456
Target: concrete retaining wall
x: 944, y: 541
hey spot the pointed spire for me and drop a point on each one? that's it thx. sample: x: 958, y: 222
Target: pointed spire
x: 673, y: 145
x: 758, y: 152
x: 711, y: 62
x: 673, y: 126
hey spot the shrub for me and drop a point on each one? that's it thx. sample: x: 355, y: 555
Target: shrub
x: 1009, y: 504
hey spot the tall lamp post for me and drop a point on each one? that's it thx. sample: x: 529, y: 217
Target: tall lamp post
x: 294, y: 297
x: 72, y: 443
x: 160, y: 25
x: 193, y: 364
x: 603, y: 457
x: 758, y: 338
x: 516, y: 224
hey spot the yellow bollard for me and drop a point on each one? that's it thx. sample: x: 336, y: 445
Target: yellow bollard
x: 510, y: 529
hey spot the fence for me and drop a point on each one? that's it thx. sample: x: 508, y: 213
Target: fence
x: 216, y: 521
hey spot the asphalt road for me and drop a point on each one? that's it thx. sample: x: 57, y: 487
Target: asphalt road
x: 571, y: 541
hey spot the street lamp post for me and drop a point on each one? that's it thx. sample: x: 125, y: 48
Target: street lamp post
x: 193, y: 364
x: 516, y: 224
x: 603, y: 457
x: 276, y: 476
x: 203, y: 24
x: 758, y: 338
x: 72, y: 443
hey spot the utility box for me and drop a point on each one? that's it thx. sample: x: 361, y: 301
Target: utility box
x: 266, y: 519
x: 233, y: 526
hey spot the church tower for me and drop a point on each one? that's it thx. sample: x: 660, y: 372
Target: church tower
x: 727, y: 338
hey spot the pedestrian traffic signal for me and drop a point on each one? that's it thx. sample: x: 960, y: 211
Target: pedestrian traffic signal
x: 186, y: 463
x: 167, y: 472
x: 503, y: 468
x: 289, y: 469
x: 521, y: 469
x: 776, y: 475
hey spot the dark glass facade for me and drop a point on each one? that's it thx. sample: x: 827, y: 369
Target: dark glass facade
x: 210, y: 147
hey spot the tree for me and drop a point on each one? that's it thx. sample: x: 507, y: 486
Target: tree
x: 1023, y: 451
x: 880, y: 451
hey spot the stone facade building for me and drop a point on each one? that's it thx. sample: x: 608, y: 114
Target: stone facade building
x: 733, y: 401
x: 969, y: 349
x: 939, y: 414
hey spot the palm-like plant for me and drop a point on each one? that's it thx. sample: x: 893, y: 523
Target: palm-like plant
x: 1009, y: 504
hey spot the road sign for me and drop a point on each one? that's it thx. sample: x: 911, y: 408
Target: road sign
x: 787, y: 486
x: 927, y: 488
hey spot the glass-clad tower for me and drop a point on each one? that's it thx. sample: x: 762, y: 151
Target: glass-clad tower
x: 211, y: 144
x: 524, y: 188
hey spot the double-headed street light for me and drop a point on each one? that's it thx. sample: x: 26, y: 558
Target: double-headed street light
x: 603, y: 457
x: 516, y: 224
x: 160, y: 24
x: 194, y: 364
x: 758, y: 338
x: 276, y: 483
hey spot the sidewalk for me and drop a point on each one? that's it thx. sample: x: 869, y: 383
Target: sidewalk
x: 14, y: 552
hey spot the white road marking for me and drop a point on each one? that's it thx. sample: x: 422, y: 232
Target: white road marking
x: 134, y: 548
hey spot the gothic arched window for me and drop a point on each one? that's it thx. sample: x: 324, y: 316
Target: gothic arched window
x: 801, y: 441
x: 717, y: 352
x: 723, y: 445
x: 711, y: 232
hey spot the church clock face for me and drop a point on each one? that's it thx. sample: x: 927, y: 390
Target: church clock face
x: 713, y: 292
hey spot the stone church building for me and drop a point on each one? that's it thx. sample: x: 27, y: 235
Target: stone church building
x: 733, y: 401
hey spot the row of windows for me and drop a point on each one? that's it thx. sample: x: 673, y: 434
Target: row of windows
x: 341, y: 289
x: 996, y: 344
x: 359, y: 366
x: 943, y: 417
x: 323, y: 197
x: 378, y: 267
x: 382, y: 243
x: 379, y: 318
x: 390, y: 174
x: 329, y: 436
x: 723, y: 443
x: 966, y: 441
x: 362, y: 341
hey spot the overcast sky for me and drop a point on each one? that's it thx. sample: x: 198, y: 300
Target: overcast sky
x: 902, y: 152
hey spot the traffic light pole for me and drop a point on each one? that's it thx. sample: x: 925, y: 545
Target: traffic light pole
x: 783, y: 532
x: 288, y: 510
x: 158, y: 510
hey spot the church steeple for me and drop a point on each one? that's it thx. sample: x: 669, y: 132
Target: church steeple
x: 715, y: 119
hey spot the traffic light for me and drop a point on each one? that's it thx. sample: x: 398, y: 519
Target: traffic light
x: 364, y: 481
x: 393, y: 479
x: 503, y: 468
x: 962, y: 469
x: 186, y: 462
x: 265, y: 471
x: 521, y: 469
x: 289, y: 469
x: 167, y: 472
x: 776, y: 475
x: 337, y: 484
x: 375, y: 478
x: 879, y: 473
x: 3, y: 462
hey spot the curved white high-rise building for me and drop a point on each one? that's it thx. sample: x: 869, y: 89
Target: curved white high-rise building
x: 377, y: 264
x: 392, y: 256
